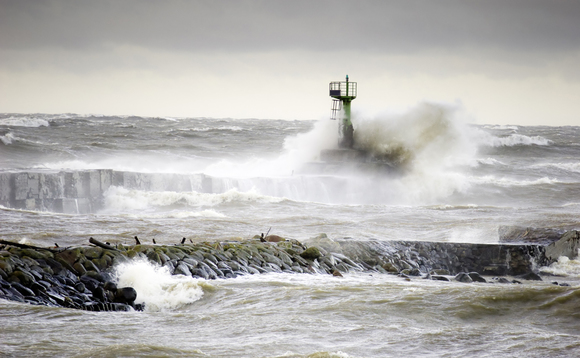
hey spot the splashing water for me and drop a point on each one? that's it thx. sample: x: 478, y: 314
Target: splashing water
x: 156, y: 287
x: 429, y: 134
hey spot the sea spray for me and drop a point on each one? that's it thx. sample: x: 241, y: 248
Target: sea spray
x: 298, y: 150
x: 156, y: 287
x: 428, y: 133
x: 564, y: 267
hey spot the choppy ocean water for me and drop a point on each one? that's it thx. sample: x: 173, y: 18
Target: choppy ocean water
x: 457, y: 182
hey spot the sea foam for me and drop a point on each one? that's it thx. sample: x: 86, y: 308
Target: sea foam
x: 564, y: 267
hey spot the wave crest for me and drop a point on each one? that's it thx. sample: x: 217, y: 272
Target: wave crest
x: 122, y: 199
x: 517, y: 140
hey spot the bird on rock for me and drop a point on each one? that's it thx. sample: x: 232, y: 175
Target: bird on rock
x: 182, y: 241
x: 137, y: 242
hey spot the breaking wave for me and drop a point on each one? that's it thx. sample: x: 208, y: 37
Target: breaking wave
x: 122, y: 199
x: 157, y: 287
x: 24, y: 122
x: 517, y: 140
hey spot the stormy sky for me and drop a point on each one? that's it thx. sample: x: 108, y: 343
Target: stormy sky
x: 502, y: 61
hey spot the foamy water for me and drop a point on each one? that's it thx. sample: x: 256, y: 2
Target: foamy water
x: 157, y: 288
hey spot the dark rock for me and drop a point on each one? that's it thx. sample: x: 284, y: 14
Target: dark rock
x: 476, y: 277
x: 90, y: 283
x: 126, y: 295
x: 100, y: 294
x: 439, y: 278
x: 79, y: 286
x: 110, y: 286
x: 531, y: 276
x: 463, y: 277
x: 25, y: 291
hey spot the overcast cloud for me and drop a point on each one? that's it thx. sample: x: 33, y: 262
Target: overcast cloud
x: 506, y: 61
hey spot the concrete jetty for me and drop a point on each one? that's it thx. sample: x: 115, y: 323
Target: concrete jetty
x: 81, y: 192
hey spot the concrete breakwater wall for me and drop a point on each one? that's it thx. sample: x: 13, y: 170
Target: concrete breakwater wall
x: 82, y: 277
x: 420, y: 257
x: 82, y: 191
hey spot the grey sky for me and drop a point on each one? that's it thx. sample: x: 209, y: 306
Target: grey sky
x: 296, y: 43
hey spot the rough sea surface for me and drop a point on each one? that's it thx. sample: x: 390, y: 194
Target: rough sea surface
x: 453, y: 181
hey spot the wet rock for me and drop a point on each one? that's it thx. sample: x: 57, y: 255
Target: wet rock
x: 126, y: 295
x: 440, y: 272
x: 110, y: 286
x: 90, y: 283
x: 463, y: 277
x: 25, y: 291
x: 502, y: 280
x: 531, y: 276
x: 79, y: 286
x: 439, y: 278
x: 100, y: 294
x: 390, y: 267
x: 476, y: 277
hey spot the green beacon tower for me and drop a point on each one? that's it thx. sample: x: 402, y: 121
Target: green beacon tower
x: 343, y: 93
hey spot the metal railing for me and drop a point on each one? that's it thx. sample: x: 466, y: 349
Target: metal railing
x: 342, y: 89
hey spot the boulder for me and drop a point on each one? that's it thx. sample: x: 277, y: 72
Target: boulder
x: 463, y: 277
x: 126, y: 295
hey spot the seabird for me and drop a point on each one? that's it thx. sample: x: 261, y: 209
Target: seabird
x: 154, y: 241
x: 137, y: 242
x: 182, y: 241
x: 56, y: 245
x: 262, y: 238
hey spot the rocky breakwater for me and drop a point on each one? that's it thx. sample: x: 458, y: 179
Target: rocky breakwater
x: 83, y: 277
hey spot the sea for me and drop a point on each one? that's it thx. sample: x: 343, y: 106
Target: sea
x: 435, y: 176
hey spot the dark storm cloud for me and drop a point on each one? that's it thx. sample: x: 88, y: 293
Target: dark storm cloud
x: 377, y: 26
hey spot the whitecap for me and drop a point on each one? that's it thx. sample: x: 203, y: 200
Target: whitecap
x: 24, y: 122
x: 7, y: 138
x: 517, y: 139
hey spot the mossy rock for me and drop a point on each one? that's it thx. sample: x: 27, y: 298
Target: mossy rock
x: 311, y: 253
x: 390, y: 267
x: 23, y: 277
x: 93, y: 252
x: 153, y: 256
x: 69, y: 256
x: 37, y: 254
x: 79, y: 268
x: 90, y: 266
x: 6, y: 266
